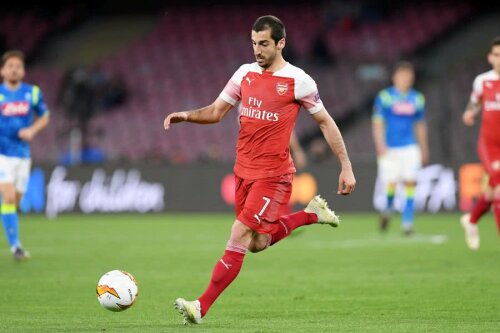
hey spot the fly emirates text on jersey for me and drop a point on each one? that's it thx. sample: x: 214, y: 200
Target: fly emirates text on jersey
x: 252, y: 110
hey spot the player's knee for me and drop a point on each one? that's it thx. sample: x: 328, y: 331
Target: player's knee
x: 8, y: 200
x: 410, y: 183
x: 8, y: 195
x: 240, y: 233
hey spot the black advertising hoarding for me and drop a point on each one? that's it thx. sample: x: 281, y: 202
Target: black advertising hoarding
x: 210, y: 188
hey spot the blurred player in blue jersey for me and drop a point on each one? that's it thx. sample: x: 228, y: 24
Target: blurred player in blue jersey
x: 23, y: 114
x: 400, y: 135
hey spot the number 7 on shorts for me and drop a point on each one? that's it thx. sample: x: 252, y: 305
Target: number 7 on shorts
x: 267, y: 201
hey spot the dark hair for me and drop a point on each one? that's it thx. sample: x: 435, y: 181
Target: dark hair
x: 403, y: 65
x: 270, y: 22
x: 495, y: 42
x: 12, y: 54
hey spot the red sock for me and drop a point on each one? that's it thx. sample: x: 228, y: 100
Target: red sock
x: 291, y: 222
x: 480, y: 208
x: 225, y: 271
x: 496, y: 210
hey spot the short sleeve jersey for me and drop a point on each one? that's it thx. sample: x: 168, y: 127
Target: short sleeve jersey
x: 400, y: 112
x: 270, y: 102
x: 486, y: 91
x: 17, y: 110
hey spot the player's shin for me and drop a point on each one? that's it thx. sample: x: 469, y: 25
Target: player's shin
x: 408, y: 212
x: 10, y: 225
x: 390, y: 192
x: 225, y: 271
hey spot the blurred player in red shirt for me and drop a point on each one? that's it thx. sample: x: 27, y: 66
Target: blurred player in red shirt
x: 271, y: 91
x: 486, y: 97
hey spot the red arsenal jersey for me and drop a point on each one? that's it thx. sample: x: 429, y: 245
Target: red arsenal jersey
x: 486, y: 91
x: 270, y: 102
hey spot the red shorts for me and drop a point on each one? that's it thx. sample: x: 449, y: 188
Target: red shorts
x: 258, y: 202
x: 489, y: 154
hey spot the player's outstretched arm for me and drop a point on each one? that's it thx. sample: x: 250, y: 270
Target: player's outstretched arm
x: 28, y: 133
x: 471, y: 111
x: 210, y: 114
x: 332, y: 135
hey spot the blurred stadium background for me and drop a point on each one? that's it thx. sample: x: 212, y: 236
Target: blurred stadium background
x: 112, y: 70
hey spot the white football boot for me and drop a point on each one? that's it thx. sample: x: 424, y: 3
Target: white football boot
x: 319, y: 206
x: 471, y: 232
x: 191, y: 311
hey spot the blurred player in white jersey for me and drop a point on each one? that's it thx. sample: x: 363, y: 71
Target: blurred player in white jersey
x: 486, y: 97
x: 400, y: 135
x: 23, y: 114
x: 272, y: 91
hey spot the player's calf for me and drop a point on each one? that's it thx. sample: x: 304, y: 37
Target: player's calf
x: 259, y: 243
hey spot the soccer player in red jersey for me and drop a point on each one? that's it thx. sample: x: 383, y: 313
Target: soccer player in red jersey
x: 486, y: 97
x: 271, y: 91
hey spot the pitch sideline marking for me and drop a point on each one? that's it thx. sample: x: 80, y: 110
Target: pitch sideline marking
x: 384, y: 241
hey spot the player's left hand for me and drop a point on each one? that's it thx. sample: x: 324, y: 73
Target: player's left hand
x: 26, y: 134
x: 347, y: 182
x: 173, y: 118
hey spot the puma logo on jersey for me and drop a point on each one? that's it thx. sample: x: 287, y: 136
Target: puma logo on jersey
x: 249, y: 80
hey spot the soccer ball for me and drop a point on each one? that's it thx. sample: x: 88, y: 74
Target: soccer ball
x: 116, y: 290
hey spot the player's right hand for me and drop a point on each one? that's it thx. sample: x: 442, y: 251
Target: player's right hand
x: 26, y: 134
x: 469, y: 118
x: 173, y: 118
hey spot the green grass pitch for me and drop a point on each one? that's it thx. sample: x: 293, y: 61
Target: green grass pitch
x: 349, y: 279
